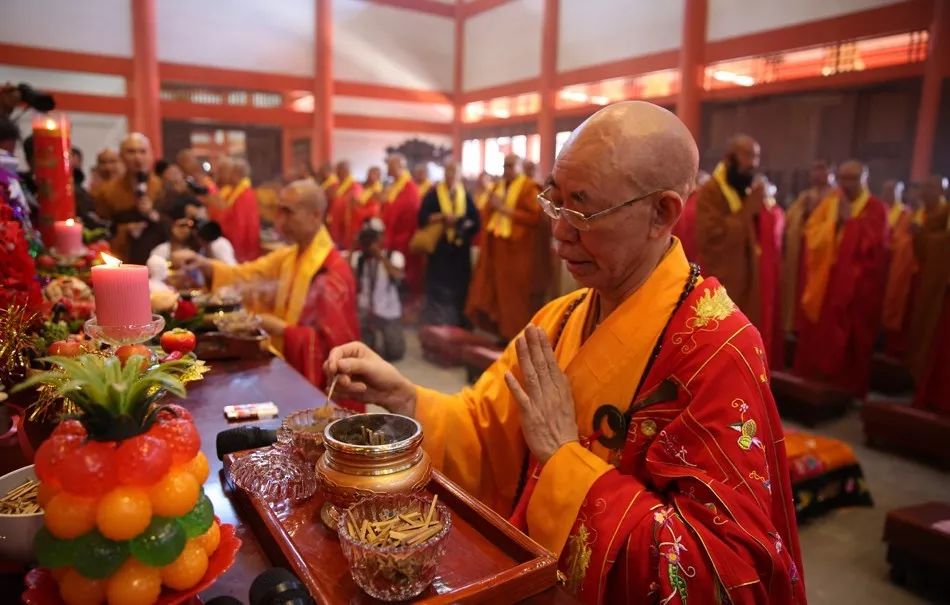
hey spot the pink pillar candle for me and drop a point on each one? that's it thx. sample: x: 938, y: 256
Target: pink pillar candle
x: 67, y: 237
x: 122, y: 297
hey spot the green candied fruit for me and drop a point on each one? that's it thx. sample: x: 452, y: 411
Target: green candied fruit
x: 97, y: 557
x: 160, y: 543
x: 198, y: 519
x: 52, y: 552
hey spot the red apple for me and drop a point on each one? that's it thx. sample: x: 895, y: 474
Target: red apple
x: 126, y: 352
x: 178, y: 340
x: 66, y: 348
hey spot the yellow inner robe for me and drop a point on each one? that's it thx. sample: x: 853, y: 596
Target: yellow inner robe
x: 291, y: 272
x: 475, y: 436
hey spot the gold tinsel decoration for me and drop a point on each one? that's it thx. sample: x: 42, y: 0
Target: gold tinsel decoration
x: 15, y: 343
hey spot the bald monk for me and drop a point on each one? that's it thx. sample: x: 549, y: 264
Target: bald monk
x: 198, y: 178
x: 420, y: 176
x: 846, y: 264
x: 400, y: 214
x: 326, y: 177
x: 108, y: 166
x: 313, y: 304
x: 821, y: 180
x: 929, y: 358
x: 732, y: 223
x: 129, y: 202
x: 509, y: 280
x: 237, y: 211
x: 933, y: 212
x: 640, y: 404
x: 341, y: 221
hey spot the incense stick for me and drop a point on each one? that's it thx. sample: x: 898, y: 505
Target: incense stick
x: 332, y: 387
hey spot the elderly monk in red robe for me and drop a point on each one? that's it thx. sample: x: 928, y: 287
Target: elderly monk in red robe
x: 929, y: 359
x: 313, y: 304
x: 237, y: 211
x: 821, y: 180
x: 846, y: 264
x: 512, y: 272
x: 400, y: 215
x: 342, y: 220
x: 640, y: 404
x: 735, y: 235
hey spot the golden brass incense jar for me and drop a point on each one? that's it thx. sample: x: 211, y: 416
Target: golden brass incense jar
x: 369, y: 455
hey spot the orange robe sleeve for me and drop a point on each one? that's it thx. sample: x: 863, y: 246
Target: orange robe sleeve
x: 704, y: 515
x: 328, y: 319
x: 903, y: 267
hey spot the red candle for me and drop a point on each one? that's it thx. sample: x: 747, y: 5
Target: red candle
x: 121, y: 293
x: 53, y: 174
x: 67, y: 237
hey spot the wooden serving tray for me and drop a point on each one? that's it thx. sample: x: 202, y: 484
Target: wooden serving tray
x: 487, y: 560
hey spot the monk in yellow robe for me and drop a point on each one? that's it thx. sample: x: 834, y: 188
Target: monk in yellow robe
x: 902, y: 268
x: 738, y: 238
x: 312, y: 302
x: 512, y: 273
x: 821, y: 178
x: 129, y: 202
x: 630, y: 429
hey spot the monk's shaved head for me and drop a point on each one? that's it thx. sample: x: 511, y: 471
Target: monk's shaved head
x: 308, y: 195
x: 136, y: 153
x: 633, y: 163
x: 395, y: 164
x: 741, y: 142
x: 852, y: 177
x: 637, y: 143
x: 933, y: 188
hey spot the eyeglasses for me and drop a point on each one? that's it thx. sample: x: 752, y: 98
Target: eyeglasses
x: 580, y: 220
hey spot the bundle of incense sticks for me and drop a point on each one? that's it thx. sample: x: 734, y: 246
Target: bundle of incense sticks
x: 21, y: 500
x: 404, y: 529
x: 373, y: 437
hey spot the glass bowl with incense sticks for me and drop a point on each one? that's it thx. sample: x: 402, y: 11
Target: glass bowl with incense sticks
x: 303, y: 429
x: 394, y: 543
x: 20, y: 514
x: 370, y: 455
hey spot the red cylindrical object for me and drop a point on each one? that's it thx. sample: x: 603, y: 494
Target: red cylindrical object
x: 52, y: 172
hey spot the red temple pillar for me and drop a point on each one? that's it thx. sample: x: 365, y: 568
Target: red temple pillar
x: 692, y: 64
x: 546, y: 129
x: 321, y: 146
x: 146, y: 116
x: 938, y: 63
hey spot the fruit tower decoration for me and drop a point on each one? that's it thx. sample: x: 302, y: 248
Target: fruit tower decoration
x: 121, y: 484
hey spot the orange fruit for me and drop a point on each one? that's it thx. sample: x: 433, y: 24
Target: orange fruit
x: 60, y: 572
x: 175, y: 494
x: 210, y: 539
x: 188, y: 569
x: 69, y: 516
x: 198, y: 467
x: 124, y: 513
x: 46, y: 492
x: 134, y: 583
x: 75, y: 589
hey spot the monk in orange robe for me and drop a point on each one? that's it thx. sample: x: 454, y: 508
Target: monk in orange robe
x: 846, y: 263
x: 510, y: 278
x: 639, y: 405
x: 902, y: 269
x: 731, y: 219
x: 400, y: 214
x: 342, y: 220
x: 929, y: 359
x: 312, y: 302
x: 237, y: 211
x: 793, y: 279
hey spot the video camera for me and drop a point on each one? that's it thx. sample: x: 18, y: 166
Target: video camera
x: 12, y: 95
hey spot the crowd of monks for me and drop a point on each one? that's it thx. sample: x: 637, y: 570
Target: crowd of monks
x: 841, y: 271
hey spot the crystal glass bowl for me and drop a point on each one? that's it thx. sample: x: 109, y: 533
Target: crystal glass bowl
x: 393, y: 573
x: 275, y: 474
x: 124, y: 335
x: 303, y: 429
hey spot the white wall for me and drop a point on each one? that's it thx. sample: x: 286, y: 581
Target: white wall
x: 64, y: 81
x: 503, y: 45
x: 390, y: 46
x: 730, y: 18
x: 365, y: 148
x: 92, y: 26
x: 238, y: 34
x: 430, y: 112
x: 601, y: 31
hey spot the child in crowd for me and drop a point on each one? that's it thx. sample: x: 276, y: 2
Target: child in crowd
x: 379, y: 274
